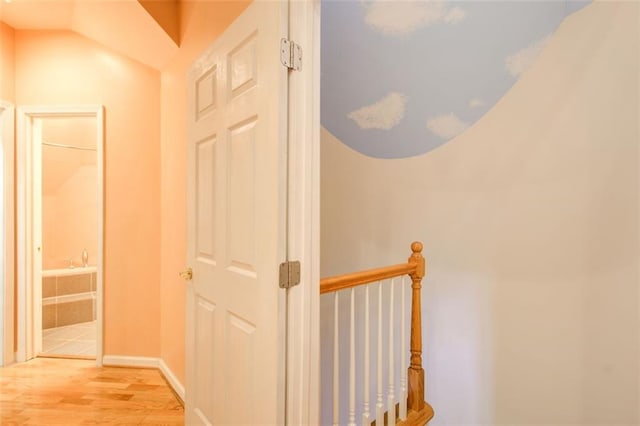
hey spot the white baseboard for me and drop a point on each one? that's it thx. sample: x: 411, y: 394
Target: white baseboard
x: 131, y: 361
x: 147, y: 362
x: 178, y: 387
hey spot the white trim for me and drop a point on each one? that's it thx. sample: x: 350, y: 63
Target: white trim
x: 7, y: 117
x: 177, y: 386
x: 100, y: 241
x: 130, y: 361
x: 303, y: 387
x: 29, y: 313
x: 34, y: 291
x: 147, y: 362
x: 21, y: 238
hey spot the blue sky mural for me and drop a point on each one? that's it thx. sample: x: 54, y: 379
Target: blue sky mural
x: 400, y: 78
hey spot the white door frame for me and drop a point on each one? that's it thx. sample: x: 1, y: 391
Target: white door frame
x: 6, y: 233
x: 28, y: 273
x: 303, y: 346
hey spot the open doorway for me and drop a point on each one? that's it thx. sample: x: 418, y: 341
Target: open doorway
x: 69, y: 238
x: 60, y: 239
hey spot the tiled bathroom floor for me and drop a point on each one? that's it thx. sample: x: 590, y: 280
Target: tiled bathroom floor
x: 75, y: 339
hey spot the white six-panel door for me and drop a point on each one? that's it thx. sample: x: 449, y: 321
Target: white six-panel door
x: 237, y: 164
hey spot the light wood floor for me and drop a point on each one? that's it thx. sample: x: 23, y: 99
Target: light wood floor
x: 48, y: 391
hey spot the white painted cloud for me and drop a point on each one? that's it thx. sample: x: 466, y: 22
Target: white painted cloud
x: 384, y: 114
x: 446, y: 126
x: 400, y: 18
x: 476, y: 103
x: 520, y: 61
x: 455, y: 15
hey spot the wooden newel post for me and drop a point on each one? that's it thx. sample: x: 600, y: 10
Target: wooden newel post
x: 415, y: 373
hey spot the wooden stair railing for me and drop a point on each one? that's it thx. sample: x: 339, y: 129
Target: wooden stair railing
x: 419, y: 412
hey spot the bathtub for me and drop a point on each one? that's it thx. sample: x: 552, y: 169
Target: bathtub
x: 68, y: 296
x: 68, y: 271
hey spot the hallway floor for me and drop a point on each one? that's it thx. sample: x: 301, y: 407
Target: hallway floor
x: 76, y: 339
x: 53, y: 391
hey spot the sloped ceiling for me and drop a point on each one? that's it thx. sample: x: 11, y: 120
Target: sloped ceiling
x: 30, y: 15
x: 125, y: 26
x: 167, y: 14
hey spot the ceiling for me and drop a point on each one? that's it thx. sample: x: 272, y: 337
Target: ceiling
x: 419, y: 73
x: 131, y: 27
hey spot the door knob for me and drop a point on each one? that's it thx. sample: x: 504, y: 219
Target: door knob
x: 187, y: 274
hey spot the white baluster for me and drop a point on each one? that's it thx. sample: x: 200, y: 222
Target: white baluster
x: 336, y: 364
x: 403, y: 355
x: 379, y: 405
x: 366, y: 415
x: 391, y: 397
x: 352, y: 364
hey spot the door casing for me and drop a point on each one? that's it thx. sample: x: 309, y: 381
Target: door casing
x: 29, y: 229
x: 303, y: 300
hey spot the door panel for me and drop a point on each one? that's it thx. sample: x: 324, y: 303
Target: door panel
x: 205, y: 336
x: 241, y: 340
x: 237, y: 224
x: 205, y: 199
x: 240, y: 199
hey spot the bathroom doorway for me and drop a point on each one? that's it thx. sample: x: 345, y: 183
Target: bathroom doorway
x: 61, y: 198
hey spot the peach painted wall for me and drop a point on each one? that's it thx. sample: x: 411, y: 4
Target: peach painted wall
x: 70, y: 220
x: 7, y: 38
x: 61, y: 67
x: 201, y: 23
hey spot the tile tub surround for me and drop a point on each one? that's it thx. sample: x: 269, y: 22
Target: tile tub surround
x: 68, y: 297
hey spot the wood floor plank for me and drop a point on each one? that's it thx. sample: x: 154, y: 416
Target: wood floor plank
x: 53, y: 391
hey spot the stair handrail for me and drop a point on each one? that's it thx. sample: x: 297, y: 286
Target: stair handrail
x: 415, y: 268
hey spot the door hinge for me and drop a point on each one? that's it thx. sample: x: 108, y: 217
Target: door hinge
x: 289, y: 274
x: 290, y: 54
